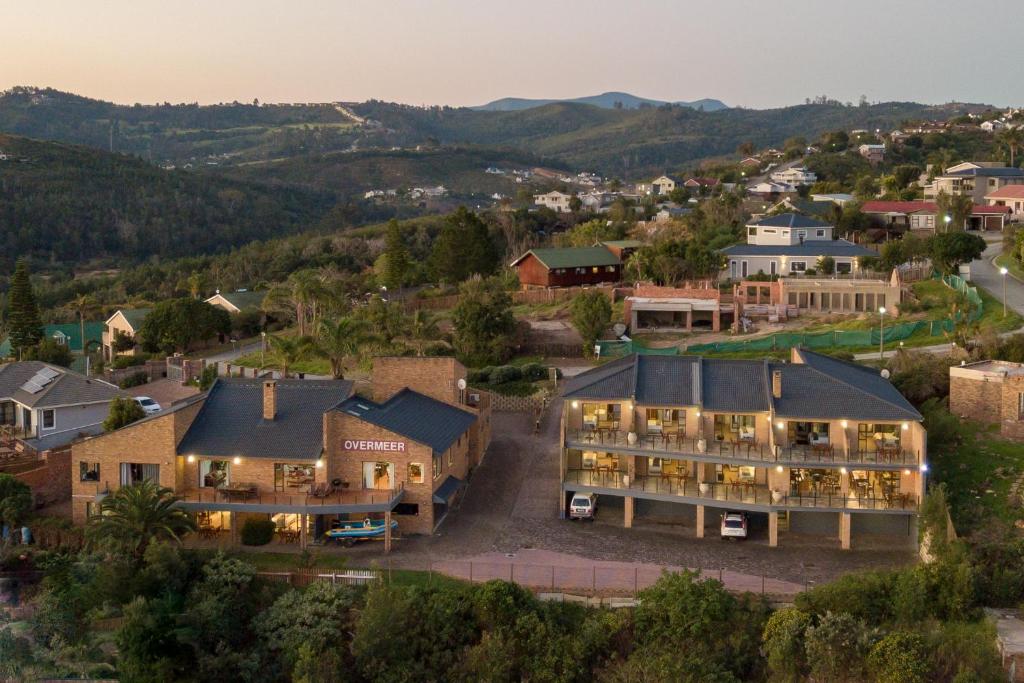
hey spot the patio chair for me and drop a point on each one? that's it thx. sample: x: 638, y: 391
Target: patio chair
x: 322, y: 489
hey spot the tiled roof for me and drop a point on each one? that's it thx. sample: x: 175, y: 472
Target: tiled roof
x: 244, y: 300
x: 988, y: 172
x: 572, y: 257
x: 791, y: 220
x: 418, y: 417
x: 65, y: 388
x: 135, y: 316
x: 621, y: 244
x: 880, y: 206
x: 231, y: 420
x: 808, y: 248
x: 819, y: 388
x: 1007, y: 192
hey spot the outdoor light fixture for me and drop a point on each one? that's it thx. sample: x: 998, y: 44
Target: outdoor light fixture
x: 1003, y: 271
x: 905, y: 426
x: 906, y: 471
x: 575, y: 405
x: 320, y: 463
x: 924, y: 467
x: 842, y: 470
x: 191, y: 458
x: 780, y: 424
x: 778, y: 468
x: 237, y: 460
x: 844, y: 424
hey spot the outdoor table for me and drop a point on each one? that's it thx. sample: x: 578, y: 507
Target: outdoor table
x: 238, y: 492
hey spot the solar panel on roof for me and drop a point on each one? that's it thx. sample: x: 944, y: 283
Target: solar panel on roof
x: 31, y: 387
x: 48, y: 372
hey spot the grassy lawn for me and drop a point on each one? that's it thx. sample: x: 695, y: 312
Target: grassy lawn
x: 978, y: 475
x: 1011, y: 264
x: 313, y: 366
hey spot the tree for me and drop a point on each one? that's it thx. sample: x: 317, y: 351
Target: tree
x: 900, y: 658
x: 956, y: 208
x: 837, y: 647
x: 177, y: 324
x: 827, y: 265
x: 783, y: 644
x: 575, y: 204
x: 745, y: 149
x: 303, y: 293
x: 397, y: 261
x: 589, y: 233
x: 463, y: 248
x: 49, y: 351
x: 15, y: 500
x: 123, y: 412
x: 340, y: 341
x: 1013, y: 139
x: 24, y: 325
x: 591, y: 313
x: 422, y: 329
x: 83, y: 304
x: 949, y: 249
x: 133, y: 517
x: 286, y: 352
x: 483, y: 322
x: 122, y: 342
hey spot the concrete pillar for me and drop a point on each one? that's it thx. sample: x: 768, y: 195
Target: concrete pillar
x: 689, y: 320
x: 387, y: 532
x: 773, y: 529
x: 303, y: 527
x: 700, y: 521
x: 627, y: 506
x: 716, y: 320
x: 844, y: 530
x: 844, y: 482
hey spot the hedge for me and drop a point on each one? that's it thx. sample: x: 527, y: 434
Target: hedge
x: 258, y: 531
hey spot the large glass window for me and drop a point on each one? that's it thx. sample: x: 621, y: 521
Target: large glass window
x: 415, y: 473
x: 135, y: 473
x: 808, y: 433
x: 664, y: 419
x: 214, y: 473
x: 293, y: 477
x: 602, y: 415
x: 734, y: 427
x: 89, y: 471
x: 379, y: 475
x: 874, y: 437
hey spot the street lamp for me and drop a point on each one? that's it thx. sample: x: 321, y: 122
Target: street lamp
x: 881, y: 330
x: 948, y: 219
x: 1003, y: 271
x: 263, y: 346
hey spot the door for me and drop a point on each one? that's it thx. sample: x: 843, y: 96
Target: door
x: 732, y: 270
x: 743, y: 269
x: 26, y: 421
x: 773, y: 267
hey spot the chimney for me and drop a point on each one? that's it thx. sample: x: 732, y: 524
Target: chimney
x: 269, y: 399
x: 776, y: 383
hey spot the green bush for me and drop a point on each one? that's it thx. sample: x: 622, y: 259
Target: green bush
x: 122, y: 362
x: 438, y: 349
x: 899, y: 658
x: 135, y: 379
x: 258, y: 531
x: 506, y: 373
x: 534, y: 372
x: 481, y: 376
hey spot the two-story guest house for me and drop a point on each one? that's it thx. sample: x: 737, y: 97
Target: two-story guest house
x: 307, y: 454
x: 816, y: 445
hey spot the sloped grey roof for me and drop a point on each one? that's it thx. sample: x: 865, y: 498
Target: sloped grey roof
x: 791, y: 220
x: 808, y: 248
x: 418, y: 417
x: 615, y: 379
x: 66, y: 388
x: 734, y: 385
x: 668, y: 380
x: 231, y: 420
x: 831, y: 388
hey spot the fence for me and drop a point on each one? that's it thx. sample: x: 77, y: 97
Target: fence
x: 517, y: 404
x: 784, y: 341
x: 526, y: 296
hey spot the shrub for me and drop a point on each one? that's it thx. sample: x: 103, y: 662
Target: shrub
x: 506, y: 373
x: 481, y: 376
x: 438, y: 349
x: 534, y: 372
x: 207, y: 377
x: 783, y: 641
x: 136, y: 379
x: 258, y: 531
x: 122, y: 362
x: 899, y: 658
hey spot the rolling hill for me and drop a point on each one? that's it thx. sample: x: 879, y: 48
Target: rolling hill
x: 67, y: 203
x: 608, y: 100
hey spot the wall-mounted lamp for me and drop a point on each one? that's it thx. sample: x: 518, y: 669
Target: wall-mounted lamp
x: 191, y: 458
x: 924, y: 467
x: 844, y: 424
x: 907, y: 471
x: 237, y: 460
x: 320, y: 463
x: 780, y: 424
x: 779, y: 468
x: 905, y: 426
x: 575, y: 405
x: 842, y: 470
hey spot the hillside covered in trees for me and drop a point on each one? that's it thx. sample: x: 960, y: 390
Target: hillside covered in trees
x: 64, y: 203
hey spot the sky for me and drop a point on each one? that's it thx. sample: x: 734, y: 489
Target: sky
x: 465, y: 52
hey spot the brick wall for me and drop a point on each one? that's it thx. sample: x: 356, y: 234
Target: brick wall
x: 152, y: 441
x: 975, y: 399
x: 51, y: 480
x: 435, y: 377
x: 1010, y: 424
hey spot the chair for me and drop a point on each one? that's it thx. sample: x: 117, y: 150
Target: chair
x: 321, y: 489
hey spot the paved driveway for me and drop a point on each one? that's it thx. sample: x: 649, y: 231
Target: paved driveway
x: 985, y: 274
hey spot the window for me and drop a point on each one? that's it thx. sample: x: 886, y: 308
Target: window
x: 214, y: 473
x: 773, y: 267
x: 797, y: 266
x: 602, y: 415
x: 819, y: 233
x: 659, y: 419
x: 752, y: 232
x: 871, y: 437
x: 802, y: 234
x: 49, y: 419
x: 286, y: 521
x: 135, y: 473
x: 90, y: 509
x: 411, y: 509
x: 844, y: 267
x: 415, y: 473
x: 379, y: 475
x: 436, y: 463
x: 734, y: 427
x: 292, y: 477
x: 654, y: 465
x: 609, y: 269
x: 769, y: 231
x: 88, y: 471
x: 1020, y: 406
x: 595, y: 270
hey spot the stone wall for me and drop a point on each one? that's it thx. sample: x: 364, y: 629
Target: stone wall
x: 50, y: 481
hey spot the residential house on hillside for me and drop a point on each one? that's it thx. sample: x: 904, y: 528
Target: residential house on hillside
x: 306, y: 454
x: 974, y: 179
x: 769, y: 190
x: 554, y: 200
x: 663, y: 185
x: 662, y: 309
x: 622, y: 249
x: 920, y: 216
x: 127, y: 321
x: 816, y: 445
x: 840, y: 199
x: 790, y: 244
x: 701, y: 184
x: 48, y: 406
x: 806, y: 207
x: 1011, y: 197
x: 236, y: 302
x: 990, y: 392
x: 65, y: 334
x: 567, y: 267
x: 993, y: 126
x: 794, y: 176
x: 873, y: 153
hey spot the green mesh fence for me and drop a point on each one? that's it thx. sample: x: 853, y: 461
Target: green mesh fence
x: 818, y: 340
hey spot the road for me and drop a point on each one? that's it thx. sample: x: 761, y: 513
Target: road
x: 241, y: 350
x: 986, y: 275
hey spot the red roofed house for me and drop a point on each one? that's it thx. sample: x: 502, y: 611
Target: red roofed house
x: 920, y: 216
x: 702, y: 184
x: 1010, y: 196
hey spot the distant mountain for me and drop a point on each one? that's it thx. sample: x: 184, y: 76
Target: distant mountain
x: 608, y: 100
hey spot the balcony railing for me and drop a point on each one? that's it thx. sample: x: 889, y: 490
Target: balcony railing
x: 237, y: 494
x: 746, y: 493
x: 750, y: 451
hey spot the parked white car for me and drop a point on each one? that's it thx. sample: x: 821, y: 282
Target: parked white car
x: 583, y: 506
x: 148, y: 405
x: 734, y: 525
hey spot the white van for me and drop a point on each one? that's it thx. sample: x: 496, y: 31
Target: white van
x: 583, y: 506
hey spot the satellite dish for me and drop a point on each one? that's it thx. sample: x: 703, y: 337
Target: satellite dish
x: 885, y: 373
x: 619, y: 329
x: 461, y: 384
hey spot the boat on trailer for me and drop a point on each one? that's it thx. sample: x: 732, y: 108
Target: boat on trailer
x: 352, y: 532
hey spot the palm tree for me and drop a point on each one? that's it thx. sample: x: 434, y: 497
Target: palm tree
x: 285, y: 352
x: 83, y: 304
x: 301, y: 292
x: 422, y: 329
x: 1013, y: 138
x: 135, y: 516
x: 341, y: 340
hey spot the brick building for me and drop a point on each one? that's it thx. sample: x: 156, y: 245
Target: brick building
x: 991, y: 392
x: 695, y: 305
x: 304, y: 453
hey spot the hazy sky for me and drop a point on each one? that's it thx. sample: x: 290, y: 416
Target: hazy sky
x: 756, y: 54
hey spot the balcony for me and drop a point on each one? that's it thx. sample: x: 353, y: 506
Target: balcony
x: 669, y: 444
x: 740, y: 494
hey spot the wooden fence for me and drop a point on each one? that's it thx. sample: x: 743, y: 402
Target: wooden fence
x: 304, y: 576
